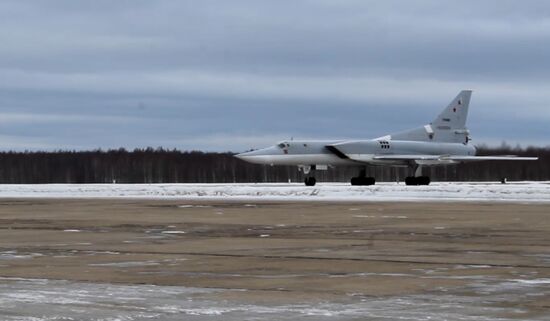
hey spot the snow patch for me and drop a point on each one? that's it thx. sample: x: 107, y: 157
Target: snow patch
x: 127, y: 264
x: 533, y: 282
x: 524, y: 192
x: 14, y: 255
x: 29, y: 299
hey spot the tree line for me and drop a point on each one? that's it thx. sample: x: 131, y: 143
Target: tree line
x: 174, y: 166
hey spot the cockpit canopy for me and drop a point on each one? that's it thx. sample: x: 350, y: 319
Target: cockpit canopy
x: 283, y: 145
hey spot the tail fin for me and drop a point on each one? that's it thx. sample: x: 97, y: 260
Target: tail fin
x: 456, y: 113
x: 448, y: 127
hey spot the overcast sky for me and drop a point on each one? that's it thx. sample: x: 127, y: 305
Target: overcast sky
x: 234, y: 75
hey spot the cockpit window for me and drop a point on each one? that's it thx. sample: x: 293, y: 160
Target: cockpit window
x: 283, y: 145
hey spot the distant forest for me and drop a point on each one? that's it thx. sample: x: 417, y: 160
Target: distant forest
x: 173, y: 166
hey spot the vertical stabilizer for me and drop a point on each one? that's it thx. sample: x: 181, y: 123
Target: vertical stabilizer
x: 448, y: 127
x: 456, y: 113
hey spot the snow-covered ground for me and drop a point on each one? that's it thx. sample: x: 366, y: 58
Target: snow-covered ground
x: 443, y: 191
x: 48, y: 300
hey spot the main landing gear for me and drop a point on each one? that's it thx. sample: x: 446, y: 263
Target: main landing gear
x: 362, y: 179
x: 420, y: 180
x: 417, y: 179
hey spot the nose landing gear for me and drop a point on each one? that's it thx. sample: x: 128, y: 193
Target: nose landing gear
x: 309, y: 170
x: 310, y: 181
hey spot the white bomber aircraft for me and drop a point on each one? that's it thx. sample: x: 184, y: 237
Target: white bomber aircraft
x: 444, y: 141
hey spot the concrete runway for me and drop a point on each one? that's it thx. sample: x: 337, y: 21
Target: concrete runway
x: 114, y: 259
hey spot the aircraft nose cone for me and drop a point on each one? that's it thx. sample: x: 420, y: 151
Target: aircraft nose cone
x: 259, y: 156
x: 247, y: 156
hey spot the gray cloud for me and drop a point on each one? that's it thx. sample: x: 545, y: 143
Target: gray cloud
x: 221, y: 75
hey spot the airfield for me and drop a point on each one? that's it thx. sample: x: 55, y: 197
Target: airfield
x: 448, y: 251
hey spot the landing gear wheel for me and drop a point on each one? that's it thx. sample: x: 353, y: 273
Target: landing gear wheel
x: 368, y: 181
x: 362, y: 181
x: 421, y: 180
x: 310, y: 181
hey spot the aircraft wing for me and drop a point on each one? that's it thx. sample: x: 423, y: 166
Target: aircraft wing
x: 489, y: 158
x: 406, y: 157
x: 451, y: 158
x: 420, y: 158
x: 366, y: 158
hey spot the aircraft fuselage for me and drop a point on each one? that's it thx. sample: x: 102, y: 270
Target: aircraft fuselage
x: 337, y: 153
